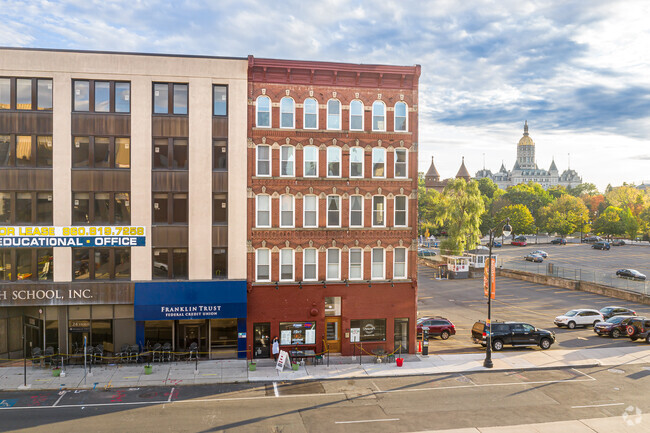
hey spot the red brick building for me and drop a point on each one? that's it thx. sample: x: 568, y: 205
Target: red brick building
x: 332, y: 205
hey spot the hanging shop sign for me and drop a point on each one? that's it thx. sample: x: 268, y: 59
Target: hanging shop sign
x: 73, y: 236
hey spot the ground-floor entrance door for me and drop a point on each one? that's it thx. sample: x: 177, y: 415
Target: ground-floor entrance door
x: 261, y: 340
x: 333, y: 333
x: 192, y: 331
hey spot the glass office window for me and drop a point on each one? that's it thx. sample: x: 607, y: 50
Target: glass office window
x: 5, y: 151
x: 180, y: 98
x: 160, y: 153
x: 23, y: 94
x: 220, y: 100
x: 5, y: 93
x: 220, y: 263
x: 179, y: 208
x: 220, y: 209
x: 102, y: 263
x: 122, y: 208
x: 44, y: 95
x: 81, y: 152
x: 102, y: 96
x: 219, y: 155
x: 102, y: 152
x: 24, y: 151
x: 123, y: 263
x: 80, y: 208
x: 45, y: 264
x: 23, y: 208
x: 102, y: 208
x: 161, y: 98
x: 44, y: 151
x: 179, y: 265
x: 122, y: 152
x: 5, y: 207
x: 122, y: 97
x: 44, y: 208
x: 160, y: 208
x: 23, y: 264
x: 81, y: 96
x: 180, y: 151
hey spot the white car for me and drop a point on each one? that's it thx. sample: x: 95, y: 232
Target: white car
x: 579, y: 317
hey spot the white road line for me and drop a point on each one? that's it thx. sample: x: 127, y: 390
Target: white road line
x: 275, y: 389
x: 583, y: 373
x: 366, y: 420
x: 171, y: 394
x: 85, y: 405
x: 540, y: 382
x: 59, y: 399
x: 597, y: 405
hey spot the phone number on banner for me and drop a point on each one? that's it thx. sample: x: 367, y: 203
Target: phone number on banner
x: 20, y: 231
x: 72, y: 241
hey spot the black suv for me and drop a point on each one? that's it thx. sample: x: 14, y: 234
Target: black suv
x: 637, y: 327
x: 513, y: 333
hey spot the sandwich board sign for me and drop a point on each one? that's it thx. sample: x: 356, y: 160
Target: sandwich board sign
x: 283, y: 357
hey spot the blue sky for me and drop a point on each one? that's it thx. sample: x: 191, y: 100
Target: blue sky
x: 576, y: 70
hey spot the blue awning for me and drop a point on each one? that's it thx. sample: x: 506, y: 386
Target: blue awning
x: 179, y: 300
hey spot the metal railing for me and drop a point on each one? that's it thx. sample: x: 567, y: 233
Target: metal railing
x: 579, y: 274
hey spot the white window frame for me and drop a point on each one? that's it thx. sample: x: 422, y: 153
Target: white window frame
x: 257, y: 210
x: 304, y: 113
x: 363, y: 157
x: 304, y: 210
x: 292, y: 112
x: 374, y: 106
x: 383, y: 263
x: 305, y: 160
x: 406, y: 211
x: 327, y: 210
x: 328, y: 115
x: 383, y: 211
x: 292, y: 160
x: 406, y: 163
x: 406, y: 260
x: 292, y: 255
x: 257, y: 263
x: 327, y: 264
x: 257, y: 111
x: 377, y: 151
x: 257, y: 160
x: 362, y: 210
x: 304, y: 264
x: 353, y: 102
x: 406, y: 117
x: 284, y: 197
x: 350, y: 264
x: 338, y: 150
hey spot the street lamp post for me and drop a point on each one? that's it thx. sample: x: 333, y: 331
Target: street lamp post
x: 507, y: 229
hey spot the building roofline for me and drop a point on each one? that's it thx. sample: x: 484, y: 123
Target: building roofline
x: 339, y: 66
x: 122, y: 53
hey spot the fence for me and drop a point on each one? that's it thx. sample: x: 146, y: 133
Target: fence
x: 579, y: 274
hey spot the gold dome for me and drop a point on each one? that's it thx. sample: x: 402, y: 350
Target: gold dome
x: 526, y: 141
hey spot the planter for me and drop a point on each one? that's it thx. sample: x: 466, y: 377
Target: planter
x: 56, y: 372
x: 294, y: 367
x: 399, y: 361
x: 252, y: 366
x: 148, y: 369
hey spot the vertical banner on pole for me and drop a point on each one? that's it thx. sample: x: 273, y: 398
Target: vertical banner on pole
x: 489, y: 266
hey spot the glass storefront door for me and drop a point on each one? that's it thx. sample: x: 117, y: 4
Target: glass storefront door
x: 262, y: 340
x: 223, y: 338
x: 402, y: 334
x: 192, y: 331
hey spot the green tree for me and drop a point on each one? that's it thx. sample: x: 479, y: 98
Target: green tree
x: 579, y: 190
x: 487, y: 187
x: 557, y: 191
x: 521, y: 219
x: 624, y: 197
x: 430, y: 208
x: 565, y: 215
x: 609, y: 222
x: 463, y: 207
x: 630, y: 223
x: 530, y: 194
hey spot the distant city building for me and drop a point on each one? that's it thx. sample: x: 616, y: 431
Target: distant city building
x: 432, y: 178
x: 526, y: 170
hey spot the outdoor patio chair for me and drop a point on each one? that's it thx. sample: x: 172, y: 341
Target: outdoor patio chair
x: 48, y: 355
x: 123, y: 353
x: 98, y: 354
x: 156, y: 353
x: 167, y: 352
x: 36, y: 355
x: 134, y: 352
x: 193, y: 353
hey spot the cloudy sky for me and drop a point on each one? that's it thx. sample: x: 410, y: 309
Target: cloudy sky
x: 578, y: 71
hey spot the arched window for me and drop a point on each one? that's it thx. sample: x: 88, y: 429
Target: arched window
x: 400, y: 117
x: 263, y: 160
x: 333, y: 264
x: 356, y: 115
x: 287, y: 113
x: 263, y: 210
x: 286, y: 264
x: 401, y: 211
x: 310, y: 111
x: 378, y: 116
x: 263, y: 264
x: 310, y: 161
x: 401, y: 163
x: 378, y: 262
x: 263, y: 112
x: 400, y: 267
x: 286, y: 210
x: 310, y: 264
x: 333, y: 114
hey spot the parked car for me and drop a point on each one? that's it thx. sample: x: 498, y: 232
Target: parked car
x: 645, y: 335
x: 637, y: 327
x: 513, y: 333
x: 436, y: 326
x: 520, y: 241
x: 560, y: 241
x: 541, y: 253
x: 579, y: 317
x: 534, y: 258
x: 601, y: 245
x: 614, y: 326
x: 630, y: 273
x: 496, y: 244
x: 608, y: 312
x: 592, y: 239
x: 618, y: 243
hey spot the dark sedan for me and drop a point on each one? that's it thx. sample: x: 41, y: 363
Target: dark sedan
x: 614, y: 326
x: 608, y: 312
x: 630, y: 273
x: 618, y: 243
x: 534, y: 258
x: 560, y: 241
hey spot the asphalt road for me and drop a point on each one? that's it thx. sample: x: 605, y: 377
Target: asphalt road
x: 400, y: 404
x: 463, y: 302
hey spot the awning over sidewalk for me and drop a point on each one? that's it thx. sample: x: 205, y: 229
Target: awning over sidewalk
x: 190, y: 300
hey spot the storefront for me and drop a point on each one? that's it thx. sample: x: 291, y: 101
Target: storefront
x: 211, y: 315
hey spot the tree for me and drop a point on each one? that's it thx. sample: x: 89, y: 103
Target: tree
x: 588, y: 189
x: 624, y: 197
x: 487, y: 187
x: 565, y: 215
x: 557, y: 191
x: 630, y: 223
x: 609, y: 222
x: 462, y: 207
x: 521, y: 219
x: 530, y: 194
x: 430, y: 209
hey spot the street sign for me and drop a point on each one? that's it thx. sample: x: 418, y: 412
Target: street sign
x: 486, y: 276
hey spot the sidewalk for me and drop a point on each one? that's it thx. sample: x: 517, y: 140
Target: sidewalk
x: 341, y: 367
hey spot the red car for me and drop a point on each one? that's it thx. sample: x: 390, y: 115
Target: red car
x: 519, y: 243
x: 437, y: 327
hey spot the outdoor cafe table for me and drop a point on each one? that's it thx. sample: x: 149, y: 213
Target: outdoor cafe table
x: 297, y: 355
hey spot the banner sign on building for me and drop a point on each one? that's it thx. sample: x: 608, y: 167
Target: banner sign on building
x: 73, y: 236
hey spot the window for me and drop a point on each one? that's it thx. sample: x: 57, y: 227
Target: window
x: 333, y: 114
x: 287, y: 161
x: 170, y: 264
x: 333, y: 162
x: 333, y: 211
x: 29, y: 94
x: 401, y: 163
x: 219, y: 155
x: 297, y: 333
x: 100, y: 96
x: 333, y: 264
x: 356, y: 161
x: 122, y: 97
x: 30, y: 264
x: 399, y: 263
x: 400, y: 117
x: 166, y: 95
x: 263, y: 264
x: 378, y: 116
x: 286, y: 210
x: 263, y: 211
x: 378, y: 162
x: 310, y: 211
x: 5, y: 93
x: 44, y: 95
x: 101, y: 208
x: 287, y: 113
x: 377, y: 264
x: 371, y: 329
x: 219, y: 100
x: 44, y: 151
x: 310, y: 264
x: 310, y: 109
x: 170, y: 154
x: 356, y: 263
x: 101, y: 152
x: 169, y: 208
x: 6, y: 151
x: 220, y: 209
x: 180, y: 98
x: 161, y: 98
x: 23, y: 94
x: 25, y: 151
x: 356, y: 211
x: 401, y: 211
x: 356, y: 115
x: 310, y: 159
x: 286, y: 264
x: 220, y: 263
x: 263, y: 112
x: 263, y: 160
x: 378, y: 211
x: 31, y: 208
x: 101, y: 263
